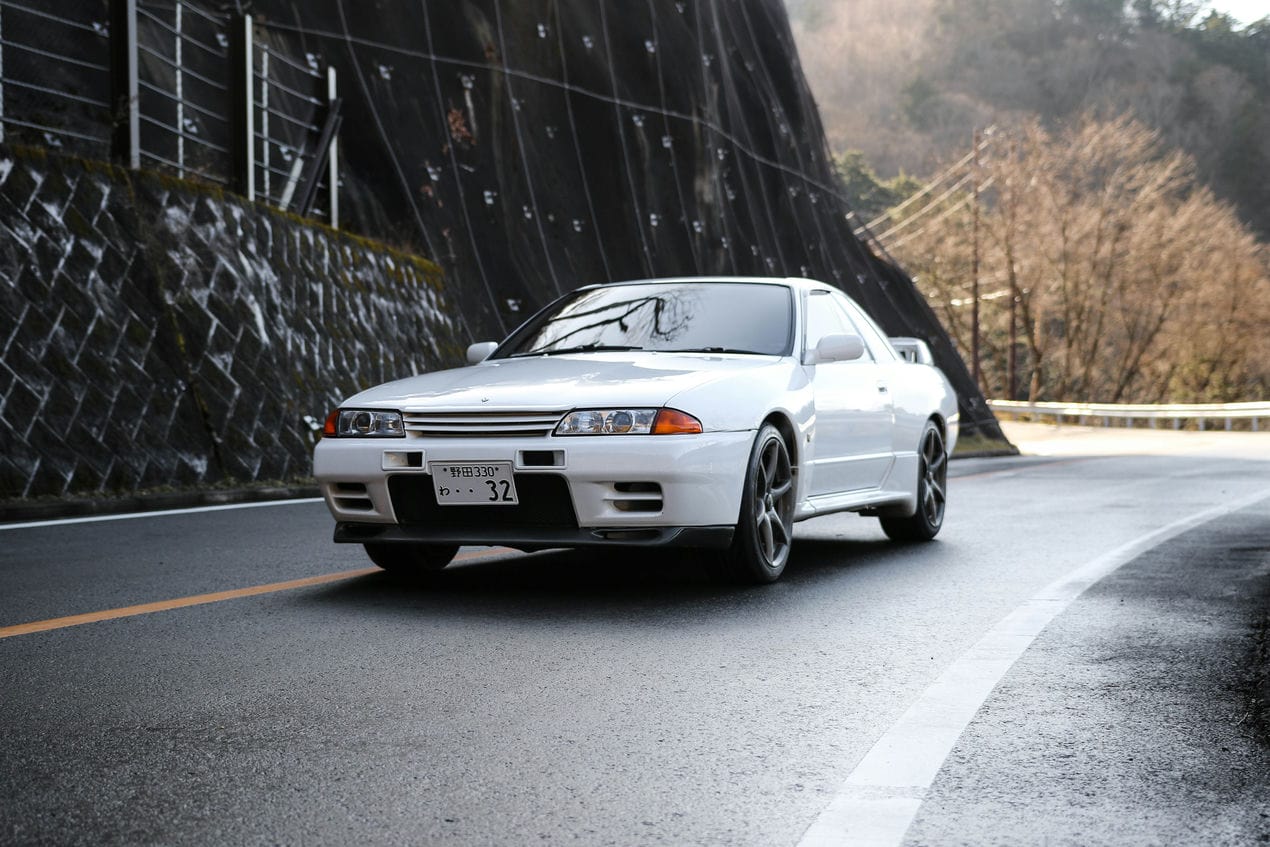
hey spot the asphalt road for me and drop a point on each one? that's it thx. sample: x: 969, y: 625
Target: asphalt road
x: 566, y: 698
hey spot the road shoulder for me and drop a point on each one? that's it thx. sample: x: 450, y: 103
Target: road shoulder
x: 1134, y: 717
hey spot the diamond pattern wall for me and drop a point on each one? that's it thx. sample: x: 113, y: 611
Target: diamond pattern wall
x: 155, y: 333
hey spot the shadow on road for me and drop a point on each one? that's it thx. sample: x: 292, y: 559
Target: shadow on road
x: 606, y: 583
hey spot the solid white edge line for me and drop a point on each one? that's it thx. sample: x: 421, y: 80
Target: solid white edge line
x: 157, y: 514
x: 879, y: 800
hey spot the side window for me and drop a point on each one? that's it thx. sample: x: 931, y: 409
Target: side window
x: 867, y: 329
x: 822, y: 318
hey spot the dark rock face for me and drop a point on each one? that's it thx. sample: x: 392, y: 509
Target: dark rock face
x: 536, y: 146
x: 156, y: 335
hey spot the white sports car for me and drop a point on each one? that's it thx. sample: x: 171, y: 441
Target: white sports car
x: 695, y: 412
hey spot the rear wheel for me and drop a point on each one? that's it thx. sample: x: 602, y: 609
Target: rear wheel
x: 760, y: 545
x: 932, y: 492
x: 411, y: 558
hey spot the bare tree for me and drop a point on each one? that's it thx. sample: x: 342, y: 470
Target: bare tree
x: 1129, y: 280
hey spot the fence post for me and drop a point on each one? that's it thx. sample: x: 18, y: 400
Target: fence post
x: 242, y: 105
x: 1, y: 74
x: 333, y: 164
x: 125, y: 137
x: 179, y: 53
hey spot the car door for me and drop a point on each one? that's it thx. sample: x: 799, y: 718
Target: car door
x: 852, y: 436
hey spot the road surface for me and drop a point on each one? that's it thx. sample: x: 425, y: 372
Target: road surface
x: 1073, y: 661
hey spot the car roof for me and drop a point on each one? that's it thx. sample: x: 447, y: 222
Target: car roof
x: 789, y: 281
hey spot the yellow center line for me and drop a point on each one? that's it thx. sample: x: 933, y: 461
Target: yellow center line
x: 202, y: 599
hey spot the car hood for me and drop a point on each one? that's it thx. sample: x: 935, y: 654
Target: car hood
x: 589, y: 380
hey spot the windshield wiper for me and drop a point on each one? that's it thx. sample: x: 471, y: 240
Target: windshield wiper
x: 716, y: 350
x: 581, y: 348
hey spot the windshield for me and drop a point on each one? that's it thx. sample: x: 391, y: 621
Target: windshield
x: 708, y: 317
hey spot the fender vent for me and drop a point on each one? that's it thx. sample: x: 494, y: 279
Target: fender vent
x: 351, y: 496
x: 636, y: 496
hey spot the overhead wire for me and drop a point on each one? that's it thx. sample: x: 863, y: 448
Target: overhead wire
x: 934, y: 183
x: 524, y: 154
x: 670, y: 148
x: 615, y: 100
x: 917, y: 216
x: 577, y: 147
x: 458, y: 181
x: 619, y: 126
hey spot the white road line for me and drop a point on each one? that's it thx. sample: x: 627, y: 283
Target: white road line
x: 879, y: 799
x: 132, y: 515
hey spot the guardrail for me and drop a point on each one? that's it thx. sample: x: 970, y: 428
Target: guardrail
x: 1081, y: 413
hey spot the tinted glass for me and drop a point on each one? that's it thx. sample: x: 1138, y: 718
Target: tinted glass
x: 822, y: 319
x: 695, y: 316
x: 873, y: 337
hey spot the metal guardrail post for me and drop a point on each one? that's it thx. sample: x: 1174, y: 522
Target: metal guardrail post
x: 125, y: 138
x: 1128, y: 414
x: 242, y: 105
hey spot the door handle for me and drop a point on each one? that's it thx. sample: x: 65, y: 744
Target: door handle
x: 882, y: 387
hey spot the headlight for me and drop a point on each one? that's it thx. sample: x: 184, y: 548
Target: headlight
x: 628, y: 422
x: 364, y: 423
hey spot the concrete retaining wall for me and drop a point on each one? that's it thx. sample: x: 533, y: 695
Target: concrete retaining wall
x: 154, y: 333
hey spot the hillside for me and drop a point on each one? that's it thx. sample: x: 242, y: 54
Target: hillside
x: 907, y: 81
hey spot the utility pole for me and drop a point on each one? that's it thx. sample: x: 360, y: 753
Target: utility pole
x: 1011, y: 377
x: 974, y: 266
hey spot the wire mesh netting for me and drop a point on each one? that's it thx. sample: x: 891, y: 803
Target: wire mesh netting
x: 537, y: 146
x: 531, y: 147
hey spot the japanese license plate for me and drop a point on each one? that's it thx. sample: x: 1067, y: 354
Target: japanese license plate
x: 473, y: 483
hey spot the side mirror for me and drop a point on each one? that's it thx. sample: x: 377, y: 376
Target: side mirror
x: 839, y: 348
x: 479, y: 352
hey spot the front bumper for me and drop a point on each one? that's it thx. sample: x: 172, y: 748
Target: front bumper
x: 637, y: 490
x: 530, y: 538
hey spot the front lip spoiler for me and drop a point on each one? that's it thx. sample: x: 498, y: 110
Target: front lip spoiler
x: 528, y: 540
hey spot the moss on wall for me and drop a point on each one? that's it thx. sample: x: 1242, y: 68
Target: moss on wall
x: 164, y: 333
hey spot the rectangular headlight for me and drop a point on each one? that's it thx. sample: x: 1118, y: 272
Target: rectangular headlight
x: 628, y: 422
x: 365, y: 423
x: 607, y: 422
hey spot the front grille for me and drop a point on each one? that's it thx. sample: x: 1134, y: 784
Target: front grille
x: 544, y: 504
x: 481, y: 424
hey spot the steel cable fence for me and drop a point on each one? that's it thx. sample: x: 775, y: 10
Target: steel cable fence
x: 55, y: 76
x: 79, y: 76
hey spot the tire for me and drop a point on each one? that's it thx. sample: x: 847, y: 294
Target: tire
x: 408, y: 559
x: 765, y: 528
x: 932, y: 491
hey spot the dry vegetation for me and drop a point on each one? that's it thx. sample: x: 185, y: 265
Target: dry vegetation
x: 1130, y: 281
x: 1128, y: 173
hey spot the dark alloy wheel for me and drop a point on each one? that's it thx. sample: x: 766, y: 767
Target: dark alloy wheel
x: 408, y: 559
x: 932, y: 492
x: 760, y: 546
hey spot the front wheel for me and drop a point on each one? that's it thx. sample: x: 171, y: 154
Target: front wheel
x: 407, y: 559
x: 760, y: 545
x: 932, y: 492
